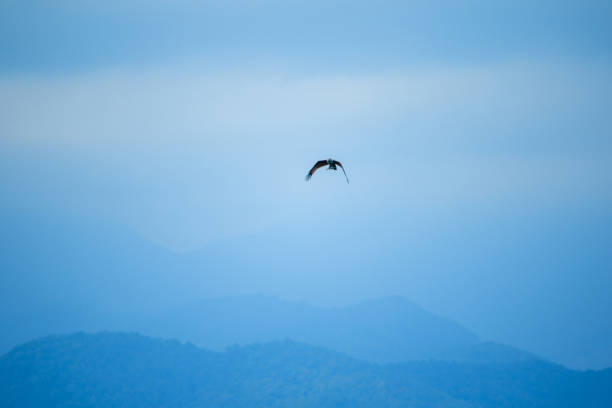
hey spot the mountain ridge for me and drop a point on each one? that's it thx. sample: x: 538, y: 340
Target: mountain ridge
x: 65, y: 274
x: 389, y: 329
x: 128, y: 369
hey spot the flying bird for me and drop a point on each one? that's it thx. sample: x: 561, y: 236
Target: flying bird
x: 329, y: 162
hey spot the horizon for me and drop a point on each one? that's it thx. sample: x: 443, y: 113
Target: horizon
x: 153, y: 155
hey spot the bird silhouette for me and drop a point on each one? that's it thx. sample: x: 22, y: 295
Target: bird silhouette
x: 329, y: 162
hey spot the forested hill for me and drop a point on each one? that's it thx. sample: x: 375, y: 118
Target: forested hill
x: 130, y: 370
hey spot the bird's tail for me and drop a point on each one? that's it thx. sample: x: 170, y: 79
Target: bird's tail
x: 347, y: 180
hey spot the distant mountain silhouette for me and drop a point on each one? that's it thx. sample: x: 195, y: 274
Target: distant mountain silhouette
x: 485, y: 353
x: 65, y: 274
x: 114, y: 369
x: 382, y: 330
x: 62, y: 276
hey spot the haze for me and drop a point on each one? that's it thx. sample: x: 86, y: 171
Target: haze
x: 477, y: 138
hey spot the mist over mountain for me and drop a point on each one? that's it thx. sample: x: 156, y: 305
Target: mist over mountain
x: 62, y: 276
x: 114, y: 369
x: 485, y: 353
x: 382, y: 330
x: 95, y: 274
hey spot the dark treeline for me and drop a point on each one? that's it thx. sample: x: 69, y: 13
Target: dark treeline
x: 130, y: 370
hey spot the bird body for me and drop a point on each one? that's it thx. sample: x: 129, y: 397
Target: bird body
x: 329, y: 162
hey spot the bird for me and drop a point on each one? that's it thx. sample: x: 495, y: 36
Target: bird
x: 332, y: 166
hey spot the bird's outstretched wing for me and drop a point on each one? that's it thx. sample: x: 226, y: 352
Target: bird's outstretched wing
x: 336, y: 162
x: 317, y: 166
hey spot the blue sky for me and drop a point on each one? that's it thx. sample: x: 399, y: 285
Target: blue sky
x: 81, y: 34
x: 194, y: 123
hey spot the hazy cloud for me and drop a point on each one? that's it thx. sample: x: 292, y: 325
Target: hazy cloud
x: 180, y: 141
